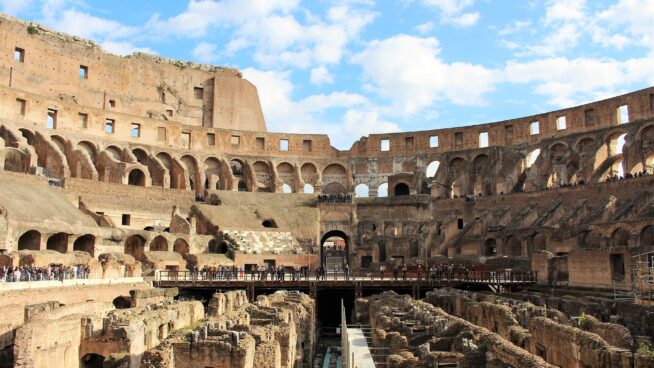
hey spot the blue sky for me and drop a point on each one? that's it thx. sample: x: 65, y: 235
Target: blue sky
x: 348, y: 68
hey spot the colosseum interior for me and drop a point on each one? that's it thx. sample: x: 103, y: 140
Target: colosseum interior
x: 149, y: 219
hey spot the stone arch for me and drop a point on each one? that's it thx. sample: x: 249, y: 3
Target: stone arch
x: 237, y: 166
x: 181, y: 246
x: 30, y: 240
x: 432, y: 169
x: 489, y: 248
x: 647, y: 236
x: 615, y: 142
x: 58, y: 242
x: 191, y: 165
x: 334, y: 173
x: 15, y: 160
x: 539, y: 242
x: 212, y: 167
x: 457, y: 167
x: 121, y: 302
x: 174, y: 178
x: 361, y: 191
x: 286, y: 188
x: 89, y: 148
x: 381, y: 251
x: 218, y: 248
x: 286, y: 173
x: 620, y: 238
x: 92, y: 360
x: 262, y: 176
x: 513, y: 247
x: 29, y: 136
x: 382, y: 190
x: 334, y: 188
x: 309, y: 173
x: 414, y: 248
x: 136, y: 177
x: 85, y: 243
x: 114, y: 152
x: 401, y: 189
x: 590, y: 240
x: 480, y: 174
x: 135, y: 247
x: 60, y: 142
x: 141, y: 156
x: 159, y: 243
x: 333, y: 234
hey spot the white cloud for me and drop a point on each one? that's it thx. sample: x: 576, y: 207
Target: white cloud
x: 321, y: 75
x: 14, y: 7
x: 204, y: 52
x: 566, y: 82
x: 408, y: 70
x: 424, y: 28
x: 628, y: 21
x: 452, y: 11
x: 91, y: 27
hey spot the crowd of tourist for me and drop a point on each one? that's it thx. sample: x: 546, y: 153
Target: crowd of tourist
x: 335, y: 198
x: 51, y: 272
x: 254, y: 273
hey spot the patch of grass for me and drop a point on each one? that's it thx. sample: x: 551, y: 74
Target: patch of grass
x: 32, y: 30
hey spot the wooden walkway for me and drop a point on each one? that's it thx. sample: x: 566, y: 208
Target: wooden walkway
x: 495, y: 280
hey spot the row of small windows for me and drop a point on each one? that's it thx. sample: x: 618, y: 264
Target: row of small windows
x: 622, y: 116
x: 19, y: 56
x: 135, y: 131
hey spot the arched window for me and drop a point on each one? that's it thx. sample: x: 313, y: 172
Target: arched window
x: 85, y: 243
x: 382, y: 190
x: 532, y: 157
x: 361, y: 191
x: 308, y: 188
x: 490, y: 248
x: 58, y: 242
x: 31, y: 240
x: 432, y: 169
x: 286, y: 188
x: 136, y: 177
x: 401, y: 189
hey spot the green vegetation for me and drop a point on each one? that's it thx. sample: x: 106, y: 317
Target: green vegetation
x: 32, y: 30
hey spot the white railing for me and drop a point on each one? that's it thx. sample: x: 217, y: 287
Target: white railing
x: 354, y: 346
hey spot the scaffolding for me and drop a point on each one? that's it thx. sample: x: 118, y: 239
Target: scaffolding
x: 642, y: 278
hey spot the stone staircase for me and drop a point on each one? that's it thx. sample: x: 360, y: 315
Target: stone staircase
x: 264, y: 242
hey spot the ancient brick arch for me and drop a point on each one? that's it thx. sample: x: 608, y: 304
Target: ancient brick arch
x: 458, y: 179
x: 85, y: 243
x: 482, y: 177
x: 334, y: 177
x: 181, y: 246
x: 513, y: 247
x: 135, y: 246
x: 30, y: 240
x: 620, y: 237
x: 58, y: 242
x: 212, y: 173
x: 262, y: 178
x: 192, y: 175
x: 647, y: 236
x: 287, y: 175
x: 159, y: 243
x: 489, y: 247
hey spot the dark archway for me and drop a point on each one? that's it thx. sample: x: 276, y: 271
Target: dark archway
x: 135, y: 246
x: 490, y: 248
x: 58, y: 242
x: 337, y: 250
x: 242, y: 187
x: 620, y: 238
x: 31, y: 240
x: 136, y: 177
x: 181, y: 246
x: 85, y: 243
x: 414, y: 248
x: 92, y: 361
x: 513, y: 247
x: 122, y: 302
x: 159, y: 243
x: 218, y: 248
x: 269, y: 223
x: 382, y: 251
x: 401, y: 189
x: 333, y: 188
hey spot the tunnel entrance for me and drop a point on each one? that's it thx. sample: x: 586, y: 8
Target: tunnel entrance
x: 328, y: 305
x: 334, y: 250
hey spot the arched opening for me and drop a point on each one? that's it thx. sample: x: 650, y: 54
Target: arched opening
x: 136, y: 177
x: 334, y: 247
x: 590, y: 240
x: 212, y: 169
x: 616, y: 143
x: 85, y: 243
x: 14, y: 160
x: 31, y: 240
x: 647, y: 236
x: 333, y: 188
x: 237, y: 167
x: 58, y: 242
x: 309, y: 174
x: 141, y: 156
x: 513, y: 247
x: 531, y: 158
x: 92, y: 361
x: 269, y: 223
x: 218, y: 248
x: 149, y: 228
x: 181, y: 246
x: 114, y: 152
x: 620, y: 238
x: 308, y: 188
x: 382, y: 190
x: 382, y: 251
x: 242, y: 187
x: 414, y: 249
x: 432, y: 169
x: 490, y: 248
x: 121, y: 302
x: 286, y: 173
x: 192, y: 168
x: 286, y: 188
x: 89, y: 148
x: 539, y: 242
x: 361, y: 191
x: 135, y: 246
x: 401, y: 189
x: 159, y: 243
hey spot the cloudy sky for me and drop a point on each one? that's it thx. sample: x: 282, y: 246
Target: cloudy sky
x: 353, y: 67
